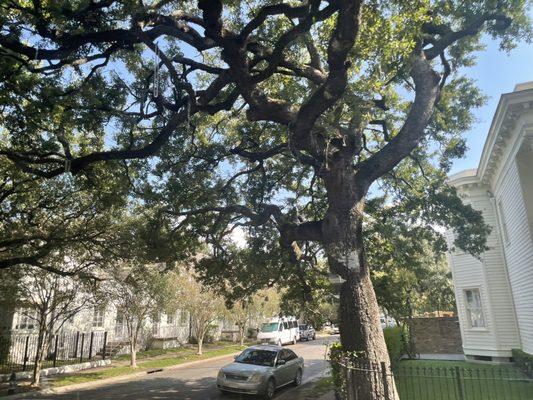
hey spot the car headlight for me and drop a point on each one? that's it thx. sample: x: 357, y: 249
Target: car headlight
x: 221, y: 375
x: 256, y: 378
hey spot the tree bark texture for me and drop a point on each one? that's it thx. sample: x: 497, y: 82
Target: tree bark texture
x: 241, y: 334
x: 133, y: 353
x: 200, y: 340
x: 42, y: 347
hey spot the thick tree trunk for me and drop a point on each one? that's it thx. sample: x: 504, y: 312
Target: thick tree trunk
x: 360, y: 326
x: 361, y: 333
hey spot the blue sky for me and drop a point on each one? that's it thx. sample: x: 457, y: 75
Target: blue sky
x: 496, y: 73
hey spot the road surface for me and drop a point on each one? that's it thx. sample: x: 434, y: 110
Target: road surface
x: 197, y: 382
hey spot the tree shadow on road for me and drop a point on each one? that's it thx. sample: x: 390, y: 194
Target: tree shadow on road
x: 153, y: 389
x: 163, y: 388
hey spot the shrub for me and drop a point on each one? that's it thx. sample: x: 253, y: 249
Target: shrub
x: 524, y: 361
x: 395, y: 343
x: 336, y: 356
x: 252, y: 333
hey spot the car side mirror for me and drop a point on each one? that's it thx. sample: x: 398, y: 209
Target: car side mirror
x: 235, y: 356
x: 281, y: 362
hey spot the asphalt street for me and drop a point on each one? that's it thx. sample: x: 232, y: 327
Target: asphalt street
x: 196, y: 382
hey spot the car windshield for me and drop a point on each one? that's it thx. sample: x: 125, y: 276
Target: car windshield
x: 269, y: 327
x: 303, y: 327
x: 257, y: 357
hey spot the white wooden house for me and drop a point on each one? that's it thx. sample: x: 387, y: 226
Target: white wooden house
x: 495, y: 293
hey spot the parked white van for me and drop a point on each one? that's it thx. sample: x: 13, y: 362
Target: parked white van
x: 279, y: 331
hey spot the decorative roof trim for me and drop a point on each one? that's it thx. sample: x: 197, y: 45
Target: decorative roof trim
x: 510, y: 107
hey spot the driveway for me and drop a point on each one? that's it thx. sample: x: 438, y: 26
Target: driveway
x: 197, y: 382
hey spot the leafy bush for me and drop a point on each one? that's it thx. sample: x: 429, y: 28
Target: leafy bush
x: 524, y: 361
x: 208, y: 338
x: 252, y: 333
x: 339, y: 358
x: 395, y: 343
x: 336, y: 356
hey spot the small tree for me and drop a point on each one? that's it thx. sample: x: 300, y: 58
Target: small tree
x: 49, y: 300
x: 139, y: 292
x: 203, y: 305
x: 262, y: 304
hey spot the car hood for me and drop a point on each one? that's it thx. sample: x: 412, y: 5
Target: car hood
x: 245, y: 369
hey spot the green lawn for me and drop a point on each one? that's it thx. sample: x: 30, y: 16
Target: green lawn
x: 164, y: 358
x: 457, y: 380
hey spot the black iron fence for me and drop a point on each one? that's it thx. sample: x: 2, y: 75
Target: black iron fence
x: 411, y: 382
x: 18, y: 352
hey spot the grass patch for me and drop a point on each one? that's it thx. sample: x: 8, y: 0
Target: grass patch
x: 179, y: 357
x: 156, y: 353
x: 315, y: 389
x: 322, y: 386
x: 110, y: 372
x: 190, y: 349
x: 443, y: 380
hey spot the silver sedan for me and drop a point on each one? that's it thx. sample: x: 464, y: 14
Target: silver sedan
x: 260, y: 370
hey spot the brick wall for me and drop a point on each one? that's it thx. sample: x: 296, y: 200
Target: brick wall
x: 437, y: 335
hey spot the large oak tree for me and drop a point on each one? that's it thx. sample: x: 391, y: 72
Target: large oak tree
x: 281, y: 117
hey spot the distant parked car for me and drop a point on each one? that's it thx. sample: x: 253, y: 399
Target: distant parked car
x: 334, y: 330
x: 307, y: 332
x: 260, y: 370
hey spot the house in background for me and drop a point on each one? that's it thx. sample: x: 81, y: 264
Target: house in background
x: 495, y: 293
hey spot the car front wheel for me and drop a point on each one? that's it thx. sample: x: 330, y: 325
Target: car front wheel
x: 270, y: 389
x: 298, y: 378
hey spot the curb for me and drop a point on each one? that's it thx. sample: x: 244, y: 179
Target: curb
x: 107, y: 381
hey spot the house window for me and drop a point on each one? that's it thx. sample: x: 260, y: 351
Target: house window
x: 98, y: 317
x: 170, y: 319
x: 474, y: 310
x: 26, y: 319
x: 503, y: 222
x: 120, y: 318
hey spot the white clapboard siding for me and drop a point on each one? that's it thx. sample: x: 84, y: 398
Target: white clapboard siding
x: 487, y: 274
x: 518, y: 251
x: 503, y: 190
